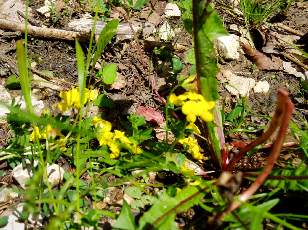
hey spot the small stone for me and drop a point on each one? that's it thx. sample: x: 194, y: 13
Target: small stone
x: 165, y: 32
x: 21, y: 175
x: 228, y: 46
x: 148, y: 29
x: 7, y: 194
x: 287, y: 67
x: 38, y: 105
x: 55, y: 174
x: 261, y: 87
x: 172, y: 10
x: 45, y: 10
x: 5, y: 98
x: 238, y: 86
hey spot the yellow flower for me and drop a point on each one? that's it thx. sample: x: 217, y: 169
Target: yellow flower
x: 193, y: 105
x: 35, y: 135
x: 194, y: 128
x: 71, y: 98
x: 48, y: 132
x: 192, y: 147
x: 103, y: 125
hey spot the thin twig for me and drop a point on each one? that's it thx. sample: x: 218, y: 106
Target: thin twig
x: 288, y: 29
x: 295, y: 60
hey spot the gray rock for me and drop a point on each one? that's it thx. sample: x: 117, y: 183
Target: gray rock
x: 5, y: 98
x: 166, y: 32
x: 236, y: 85
x: 55, y: 174
x: 228, y: 47
x: 172, y: 10
x: 21, y: 175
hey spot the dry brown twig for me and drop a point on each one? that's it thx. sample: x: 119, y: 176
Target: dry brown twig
x: 44, y: 32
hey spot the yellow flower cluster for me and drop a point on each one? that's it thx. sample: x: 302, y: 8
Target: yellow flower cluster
x: 44, y: 134
x: 71, y: 98
x: 193, y: 105
x: 114, y: 140
x: 192, y: 147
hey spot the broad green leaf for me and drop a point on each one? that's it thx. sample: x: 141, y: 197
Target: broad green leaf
x: 207, y: 28
x: 22, y: 64
x: 3, y: 221
x: 81, y: 69
x: 104, y: 38
x: 163, y: 212
x: 125, y: 220
x: 109, y: 74
x: 213, y: 24
x: 190, y: 57
x: 139, y: 4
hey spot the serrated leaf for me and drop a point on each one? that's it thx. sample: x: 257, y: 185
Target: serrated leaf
x: 125, y: 220
x: 104, y: 38
x: 109, y: 73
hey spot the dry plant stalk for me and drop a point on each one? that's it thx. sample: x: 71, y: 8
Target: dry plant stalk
x: 280, y: 120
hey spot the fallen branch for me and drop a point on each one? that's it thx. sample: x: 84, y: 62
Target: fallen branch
x: 44, y: 32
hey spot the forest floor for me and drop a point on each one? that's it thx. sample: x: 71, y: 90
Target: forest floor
x: 147, y: 71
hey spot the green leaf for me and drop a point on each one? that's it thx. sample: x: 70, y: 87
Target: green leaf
x: 177, y: 65
x: 213, y: 25
x: 3, y: 221
x: 125, y: 220
x: 104, y: 38
x: 190, y: 57
x: 235, y: 113
x: 81, y: 69
x: 12, y: 82
x: 22, y: 64
x: 139, y: 4
x: 163, y: 212
x: 134, y: 192
x: 109, y: 74
x: 104, y: 101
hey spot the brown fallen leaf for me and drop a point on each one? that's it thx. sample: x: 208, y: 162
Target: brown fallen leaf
x: 262, y: 61
x: 151, y: 115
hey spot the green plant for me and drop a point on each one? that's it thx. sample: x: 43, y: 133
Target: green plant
x: 104, y: 160
x: 257, y: 12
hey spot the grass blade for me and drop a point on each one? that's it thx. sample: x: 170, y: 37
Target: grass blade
x: 80, y: 70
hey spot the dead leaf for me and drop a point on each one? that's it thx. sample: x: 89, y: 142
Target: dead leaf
x: 151, y: 115
x: 262, y: 61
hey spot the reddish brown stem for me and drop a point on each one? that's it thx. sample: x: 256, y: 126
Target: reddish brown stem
x: 285, y: 106
x: 276, y: 120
